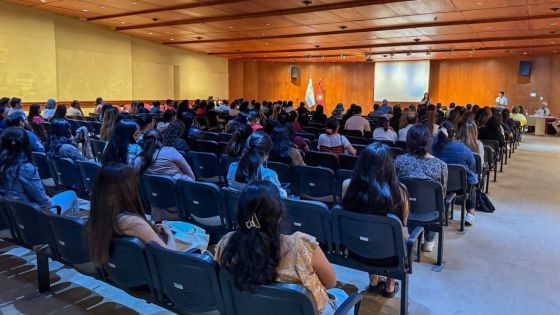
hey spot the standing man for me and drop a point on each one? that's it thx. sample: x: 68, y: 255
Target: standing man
x: 501, y: 101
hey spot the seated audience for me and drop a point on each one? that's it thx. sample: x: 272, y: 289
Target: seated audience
x: 145, y: 123
x: 282, y: 148
x: 16, y: 119
x: 168, y: 116
x: 20, y: 179
x: 357, y: 122
x: 318, y: 115
x: 172, y: 137
x: 60, y: 112
x: 333, y: 142
x: 452, y: 151
x: 411, y: 119
x: 108, y: 124
x: 492, y: 131
x: 383, y: 132
x: 238, y: 140
x: 60, y: 143
x: 116, y: 210
x: 468, y: 135
x: 34, y: 115
x: 374, y: 189
x: 338, y: 111
x: 3, y: 115
x: 258, y: 245
x: 385, y: 107
x: 223, y: 107
x: 214, y: 121
x: 518, y: 116
x: 98, y: 105
x: 48, y: 113
x: 418, y: 163
x: 376, y: 112
x: 250, y: 167
x: 75, y: 109
x: 122, y: 147
x: 16, y: 107
x: 155, y: 108
x: 254, y: 121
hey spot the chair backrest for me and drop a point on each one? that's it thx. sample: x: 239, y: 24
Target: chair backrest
x: 199, y: 200
x: 310, y: 217
x: 42, y: 164
x: 283, y: 170
x: 494, y: 144
x: 351, y: 133
x: 357, y: 139
x: 312, y: 130
x: 323, y: 159
x: 88, y: 171
x: 313, y: 181
x: 347, y: 162
x: 211, y: 136
x: 230, y: 203
x: 457, y: 179
x: 207, y: 146
x: 69, y: 235
x: 67, y: 173
x: 159, y: 191
x: 478, y: 164
x: 224, y: 137
x: 425, y: 199
x: 396, y: 151
x: 359, y: 148
x: 95, y: 127
x: 488, y: 154
x: 205, y: 166
x: 368, y: 237
x: 127, y: 266
x: 97, y: 148
x: 6, y: 223
x: 188, y: 280
x: 30, y: 222
x: 273, y: 299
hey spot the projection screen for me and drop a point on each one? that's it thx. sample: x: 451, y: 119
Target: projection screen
x: 401, y: 81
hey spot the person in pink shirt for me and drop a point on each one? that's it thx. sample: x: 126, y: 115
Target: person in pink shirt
x: 35, y: 114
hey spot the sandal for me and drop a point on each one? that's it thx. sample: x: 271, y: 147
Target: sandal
x: 376, y: 289
x: 390, y: 294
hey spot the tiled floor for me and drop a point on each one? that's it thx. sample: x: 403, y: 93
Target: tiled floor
x: 506, y: 264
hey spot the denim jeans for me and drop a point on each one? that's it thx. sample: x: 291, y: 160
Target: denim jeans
x: 339, y: 297
x: 67, y: 201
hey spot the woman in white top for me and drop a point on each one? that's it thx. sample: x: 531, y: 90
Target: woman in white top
x: 384, y: 132
x: 333, y: 142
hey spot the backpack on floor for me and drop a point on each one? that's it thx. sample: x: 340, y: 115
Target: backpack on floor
x: 484, y: 204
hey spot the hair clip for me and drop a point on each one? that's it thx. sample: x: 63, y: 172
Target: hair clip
x: 253, y: 222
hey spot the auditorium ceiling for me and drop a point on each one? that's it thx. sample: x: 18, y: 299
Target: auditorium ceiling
x: 330, y: 30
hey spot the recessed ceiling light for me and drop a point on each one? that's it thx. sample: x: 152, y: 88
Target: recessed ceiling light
x: 44, y: 1
x: 103, y: 7
x: 262, y: 34
x: 172, y: 39
x: 524, y: 53
x: 134, y: 3
x: 230, y: 27
x: 85, y: 10
x: 309, y: 20
x: 555, y: 51
x: 267, y: 24
x: 553, y: 24
x: 489, y: 28
x: 553, y: 42
x: 480, y: 3
x: 208, y: 51
x: 123, y: 22
x: 150, y: 33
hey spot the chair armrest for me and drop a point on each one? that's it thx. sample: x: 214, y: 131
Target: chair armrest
x: 354, y: 301
x: 58, y: 209
x: 415, y: 236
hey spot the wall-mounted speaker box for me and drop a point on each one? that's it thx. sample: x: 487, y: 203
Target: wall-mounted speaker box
x: 524, y: 68
x: 294, y: 70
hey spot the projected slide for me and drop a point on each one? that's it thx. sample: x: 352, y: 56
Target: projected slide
x: 402, y: 81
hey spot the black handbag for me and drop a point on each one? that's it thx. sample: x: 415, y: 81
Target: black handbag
x: 484, y: 204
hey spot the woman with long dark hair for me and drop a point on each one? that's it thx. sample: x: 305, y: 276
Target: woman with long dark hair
x: 257, y: 254
x: 318, y: 115
x: 60, y: 143
x: 75, y: 109
x: 237, y: 142
x: 108, y: 124
x: 452, y: 151
x: 492, y: 131
x: 116, y: 209
x: 332, y: 142
x: 60, y: 112
x: 282, y: 148
x: 34, y: 115
x: 384, y: 132
x: 20, y: 179
x: 172, y: 137
x: 418, y: 163
x: 122, y: 147
x: 375, y: 189
x: 250, y: 167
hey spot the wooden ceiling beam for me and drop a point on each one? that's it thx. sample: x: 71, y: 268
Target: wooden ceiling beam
x: 388, y: 53
x: 414, y: 43
x: 307, y: 9
x: 372, y: 29
x: 163, y: 9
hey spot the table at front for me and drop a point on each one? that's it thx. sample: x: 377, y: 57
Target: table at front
x: 539, y: 123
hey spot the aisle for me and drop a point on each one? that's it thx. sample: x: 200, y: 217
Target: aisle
x: 507, y: 263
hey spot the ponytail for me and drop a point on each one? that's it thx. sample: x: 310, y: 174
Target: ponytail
x: 248, y: 169
x: 151, y: 144
x: 446, y: 133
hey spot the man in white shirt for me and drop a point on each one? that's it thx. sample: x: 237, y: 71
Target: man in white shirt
x: 501, y: 101
x: 412, y: 119
x: 543, y: 111
x: 357, y: 122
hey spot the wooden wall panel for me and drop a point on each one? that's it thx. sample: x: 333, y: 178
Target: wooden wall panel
x: 342, y: 82
x: 474, y: 80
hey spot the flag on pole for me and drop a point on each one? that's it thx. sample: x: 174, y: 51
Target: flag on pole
x: 310, y: 95
x: 320, y: 95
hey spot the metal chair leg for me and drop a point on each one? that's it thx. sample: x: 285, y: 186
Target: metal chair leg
x: 43, y: 280
x: 404, y: 295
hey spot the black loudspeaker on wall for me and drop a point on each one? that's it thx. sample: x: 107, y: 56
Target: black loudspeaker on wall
x: 294, y: 71
x: 525, y: 68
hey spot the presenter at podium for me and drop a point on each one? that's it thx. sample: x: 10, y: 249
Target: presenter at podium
x: 501, y: 101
